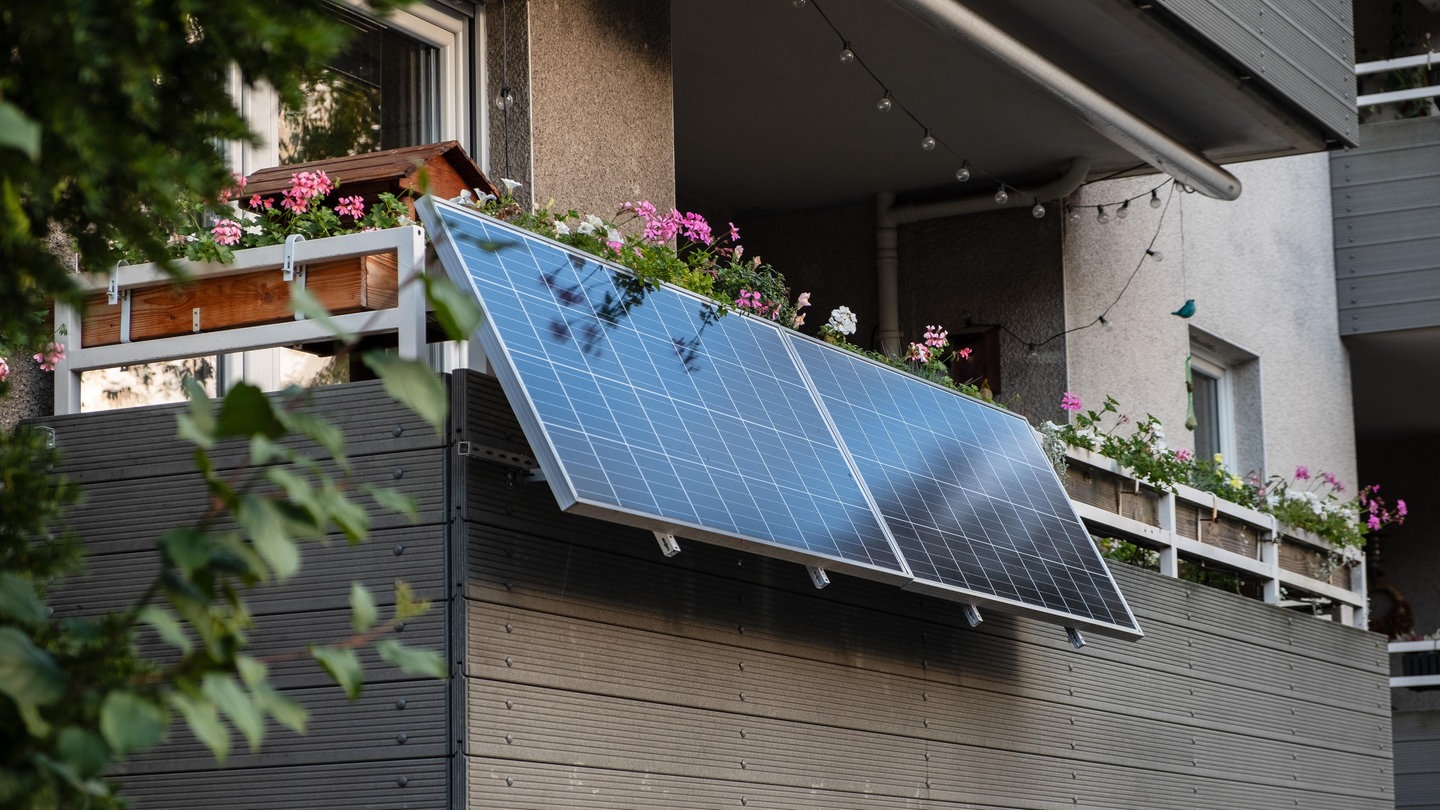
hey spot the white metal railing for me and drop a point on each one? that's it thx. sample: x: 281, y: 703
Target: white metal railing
x: 1425, y: 60
x: 407, y: 319
x: 1403, y: 647
x: 1266, y: 565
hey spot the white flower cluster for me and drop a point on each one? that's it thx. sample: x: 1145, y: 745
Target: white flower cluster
x: 842, y: 320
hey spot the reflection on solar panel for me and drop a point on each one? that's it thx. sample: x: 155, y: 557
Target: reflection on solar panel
x: 646, y: 408
x: 656, y: 412
x: 966, y: 491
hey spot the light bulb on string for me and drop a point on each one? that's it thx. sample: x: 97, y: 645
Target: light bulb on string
x: 799, y: 3
x: 1039, y: 210
x: 885, y: 102
x: 1124, y: 210
x: 1154, y: 199
x: 1156, y: 255
x: 928, y: 142
x: 847, y: 56
x: 1100, y: 215
x: 1072, y: 212
x: 1001, y: 197
x: 505, y: 99
x: 963, y: 173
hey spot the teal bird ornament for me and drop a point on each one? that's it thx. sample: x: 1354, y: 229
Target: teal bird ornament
x: 1187, y: 309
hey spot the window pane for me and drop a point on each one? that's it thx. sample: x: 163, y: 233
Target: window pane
x: 380, y: 93
x: 1207, y: 414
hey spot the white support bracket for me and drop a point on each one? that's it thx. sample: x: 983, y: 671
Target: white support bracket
x: 972, y: 616
x: 287, y: 269
x: 112, y: 287
x: 124, y: 316
x: 818, y: 577
x: 668, y: 545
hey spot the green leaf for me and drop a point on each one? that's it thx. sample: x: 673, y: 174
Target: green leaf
x: 267, y: 529
x: 27, y: 673
x: 363, y: 612
x: 458, y: 313
x: 411, y: 660
x: 344, y: 666
x: 83, y: 751
x: 203, y: 718
x: 132, y: 723
x: 246, y: 411
x: 413, y: 384
x: 348, y: 516
x: 197, y: 425
x: 167, y: 626
x: 320, y: 431
x: 186, y: 548
x: 17, y: 131
x: 393, y: 500
x: 19, y: 602
x: 226, y: 694
x: 308, y: 305
x: 285, y: 710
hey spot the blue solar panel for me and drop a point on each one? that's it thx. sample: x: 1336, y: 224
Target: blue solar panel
x: 645, y: 408
x: 966, y: 491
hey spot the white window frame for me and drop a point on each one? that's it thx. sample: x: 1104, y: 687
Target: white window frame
x: 1212, y: 366
x: 435, y: 25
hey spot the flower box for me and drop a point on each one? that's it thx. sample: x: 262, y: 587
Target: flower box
x: 1214, y: 527
x: 1304, y: 553
x: 1113, y: 491
x: 214, y: 303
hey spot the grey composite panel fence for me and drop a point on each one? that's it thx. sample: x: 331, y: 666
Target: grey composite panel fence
x: 392, y: 747
x: 600, y: 674
x: 1385, y: 197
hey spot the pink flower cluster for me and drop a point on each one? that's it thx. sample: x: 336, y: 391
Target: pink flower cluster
x: 800, y: 303
x: 305, y: 188
x: 1376, y: 512
x: 965, y: 353
x: 1070, y: 402
x: 4, y: 369
x: 919, y: 353
x: 750, y: 299
x: 226, y: 232
x: 52, y: 354
x: 1184, y: 454
x: 936, y: 337
x: 664, y: 227
x: 237, y: 190
x: 351, y: 207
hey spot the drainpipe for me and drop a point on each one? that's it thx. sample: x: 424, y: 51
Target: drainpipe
x: 1100, y: 113
x: 888, y: 216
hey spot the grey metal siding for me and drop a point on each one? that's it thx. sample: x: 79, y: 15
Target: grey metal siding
x: 392, y: 747
x: 1302, y: 49
x: 600, y: 674
x: 1386, y: 201
x: 1417, y: 760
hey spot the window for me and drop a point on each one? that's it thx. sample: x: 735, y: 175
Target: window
x: 404, y: 81
x: 1214, y: 405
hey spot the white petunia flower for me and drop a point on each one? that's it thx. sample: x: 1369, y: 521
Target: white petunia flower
x: 561, y: 229
x: 510, y: 185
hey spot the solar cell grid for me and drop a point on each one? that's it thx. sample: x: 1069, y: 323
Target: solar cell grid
x: 648, y: 409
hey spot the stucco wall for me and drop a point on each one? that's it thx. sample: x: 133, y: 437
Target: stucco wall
x: 602, y: 116
x: 1261, y: 272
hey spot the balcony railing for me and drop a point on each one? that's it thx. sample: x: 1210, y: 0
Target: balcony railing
x: 1290, y: 568
x: 1418, y: 66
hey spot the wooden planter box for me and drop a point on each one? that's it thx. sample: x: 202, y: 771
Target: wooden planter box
x: 1113, y: 492
x: 1217, y: 529
x: 1309, y: 560
x: 354, y: 284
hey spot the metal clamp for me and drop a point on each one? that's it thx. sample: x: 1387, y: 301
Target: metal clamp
x: 668, y: 545
x: 287, y: 270
x: 818, y: 577
x: 112, y: 287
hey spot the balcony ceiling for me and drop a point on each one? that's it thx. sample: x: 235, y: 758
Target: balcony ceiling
x: 768, y: 118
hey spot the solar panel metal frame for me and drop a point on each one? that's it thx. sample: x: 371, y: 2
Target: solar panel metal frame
x: 554, y: 469
x: 565, y: 492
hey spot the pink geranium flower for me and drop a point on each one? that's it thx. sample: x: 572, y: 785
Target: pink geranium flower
x: 965, y: 353
x: 350, y: 207
x: 226, y: 232
x: 5, y: 372
x: 53, y: 353
x: 1070, y: 402
x: 1184, y: 454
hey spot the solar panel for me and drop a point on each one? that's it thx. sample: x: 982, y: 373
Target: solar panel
x: 967, y: 492
x: 645, y: 408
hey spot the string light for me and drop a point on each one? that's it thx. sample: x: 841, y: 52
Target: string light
x: 1100, y: 215
x: 930, y: 142
x: 1039, y: 210
x: 1072, y: 212
x: 1156, y: 255
x: 505, y: 99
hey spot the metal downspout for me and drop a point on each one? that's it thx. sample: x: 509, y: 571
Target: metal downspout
x: 887, y: 274
x: 1100, y: 113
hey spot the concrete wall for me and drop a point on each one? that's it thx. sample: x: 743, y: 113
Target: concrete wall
x: 602, y: 114
x: 1261, y: 272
